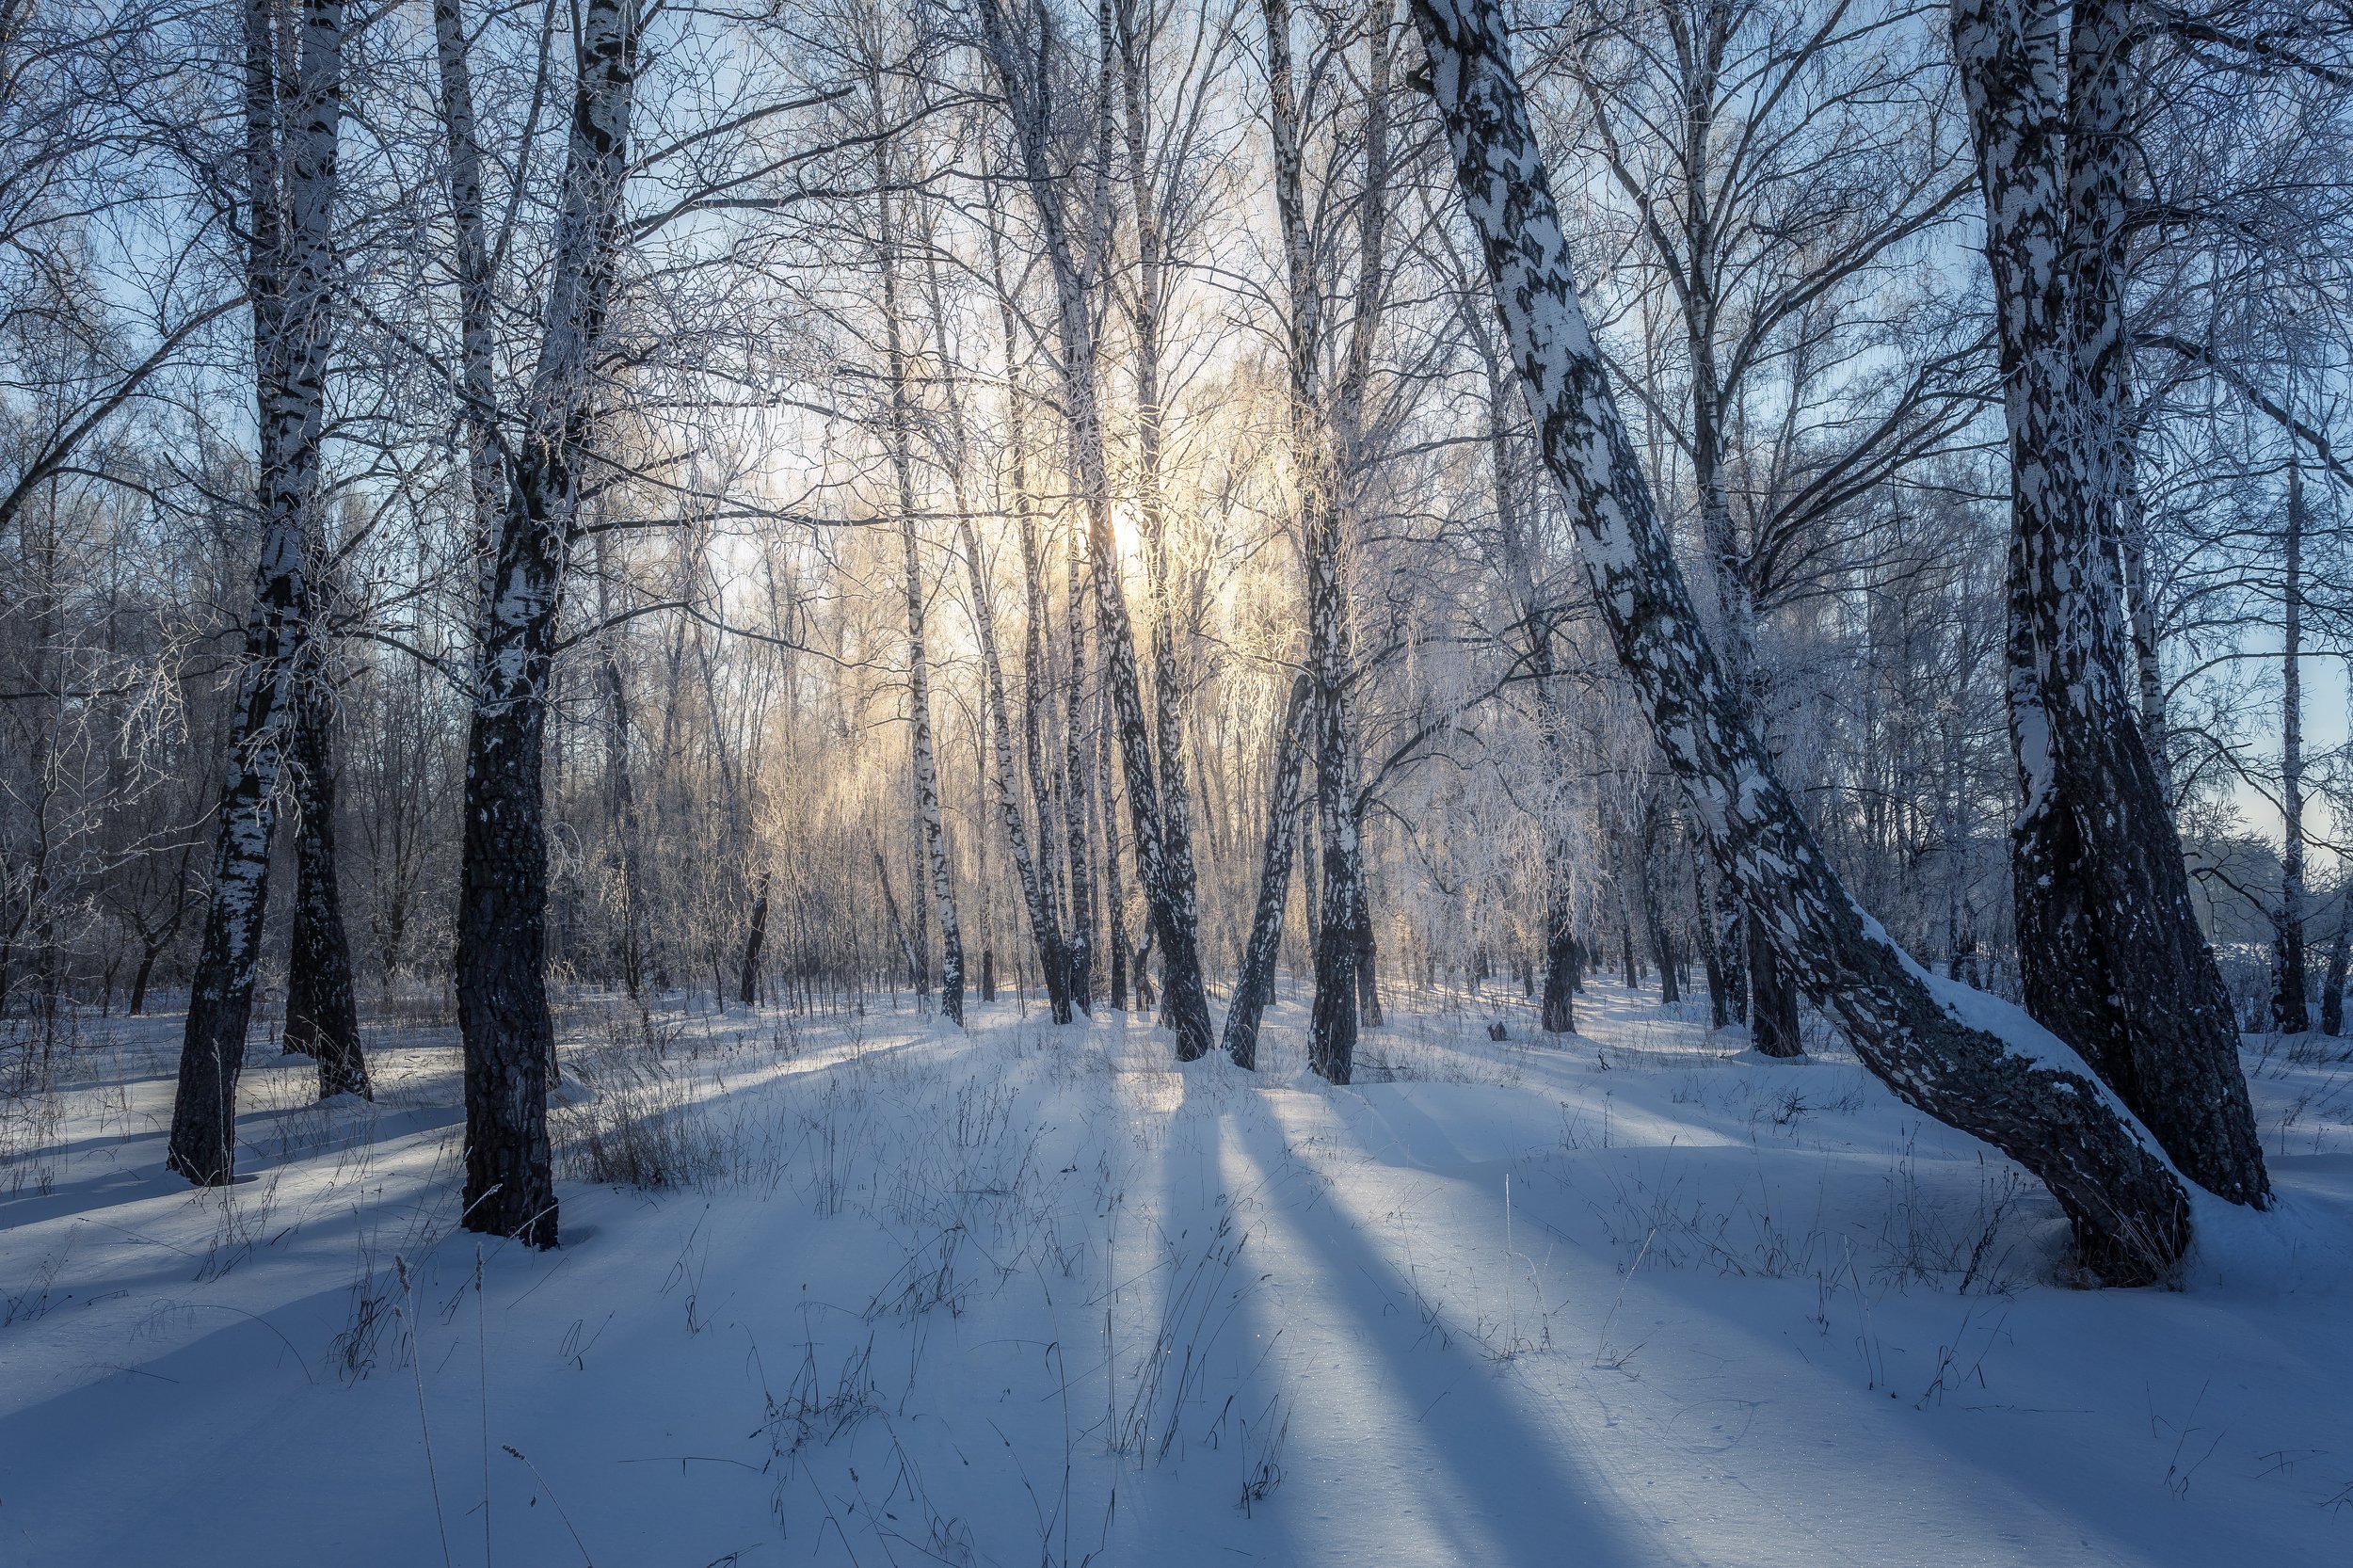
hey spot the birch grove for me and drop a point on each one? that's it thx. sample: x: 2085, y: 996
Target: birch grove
x: 1826, y: 515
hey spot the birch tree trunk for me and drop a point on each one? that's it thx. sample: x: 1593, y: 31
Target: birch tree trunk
x: 1318, y: 467
x: 1026, y: 103
x: 1078, y: 787
x: 1772, y: 997
x: 471, y: 259
x: 1956, y: 1055
x: 924, y: 762
x: 754, y: 939
x: 1144, y: 315
x: 2110, y: 952
x: 290, y: 178
x: 1114, y: 885
x: 322, y: 1006
x: 1054, y: 962
x: 2340, y: 951
x: 1557, y: 1013
x: 1254, y: 988
x: 2290, y: 1011
x: 1046, y: 916
x: 1033, y: 899
x: 1655, y: 917
x: 1368, y: 950
x: 623, y: 852
x: 502, y: 917
x: 1701, y: 42
x: 997, y: 712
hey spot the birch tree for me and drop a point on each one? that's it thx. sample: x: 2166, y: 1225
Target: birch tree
x: 922, y: 759
x: 1956, y: 1055
x: 290, y: 190
x: 1028, y: 88
x: 502, y: 923
x: 2110, y: 947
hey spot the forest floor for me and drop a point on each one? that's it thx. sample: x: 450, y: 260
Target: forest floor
x: 856, y: 1291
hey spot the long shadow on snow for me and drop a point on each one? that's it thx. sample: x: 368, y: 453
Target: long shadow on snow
x: 1499, y: 1488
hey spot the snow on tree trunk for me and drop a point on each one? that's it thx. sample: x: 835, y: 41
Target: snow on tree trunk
x: 2110, y: 951
x: 1958, y: 1055
x: 290, y: 174
x: 501, y: 953
x: 1254, y: 987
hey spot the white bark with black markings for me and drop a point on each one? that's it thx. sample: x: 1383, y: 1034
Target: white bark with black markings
x: 1254, y: 988
x: 290, y: 263
x: 2111, y: 955
x: 502, y: 917
x: 1956, y: 1054
x: 1024, y: 88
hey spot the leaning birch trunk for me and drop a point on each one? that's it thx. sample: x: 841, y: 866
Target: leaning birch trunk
x: 2110, y: 951
x: 1255, y: 987
x: 322, y: 1009
x: 502, y: 917
x: 1187, y: 1005
x: 290, y: 266
x: 1960, y: 1056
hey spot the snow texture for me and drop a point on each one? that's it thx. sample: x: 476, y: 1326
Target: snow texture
x: 1037, y: 1295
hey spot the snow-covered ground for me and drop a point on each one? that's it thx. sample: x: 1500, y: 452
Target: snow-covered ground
x: 1029, y: 1296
